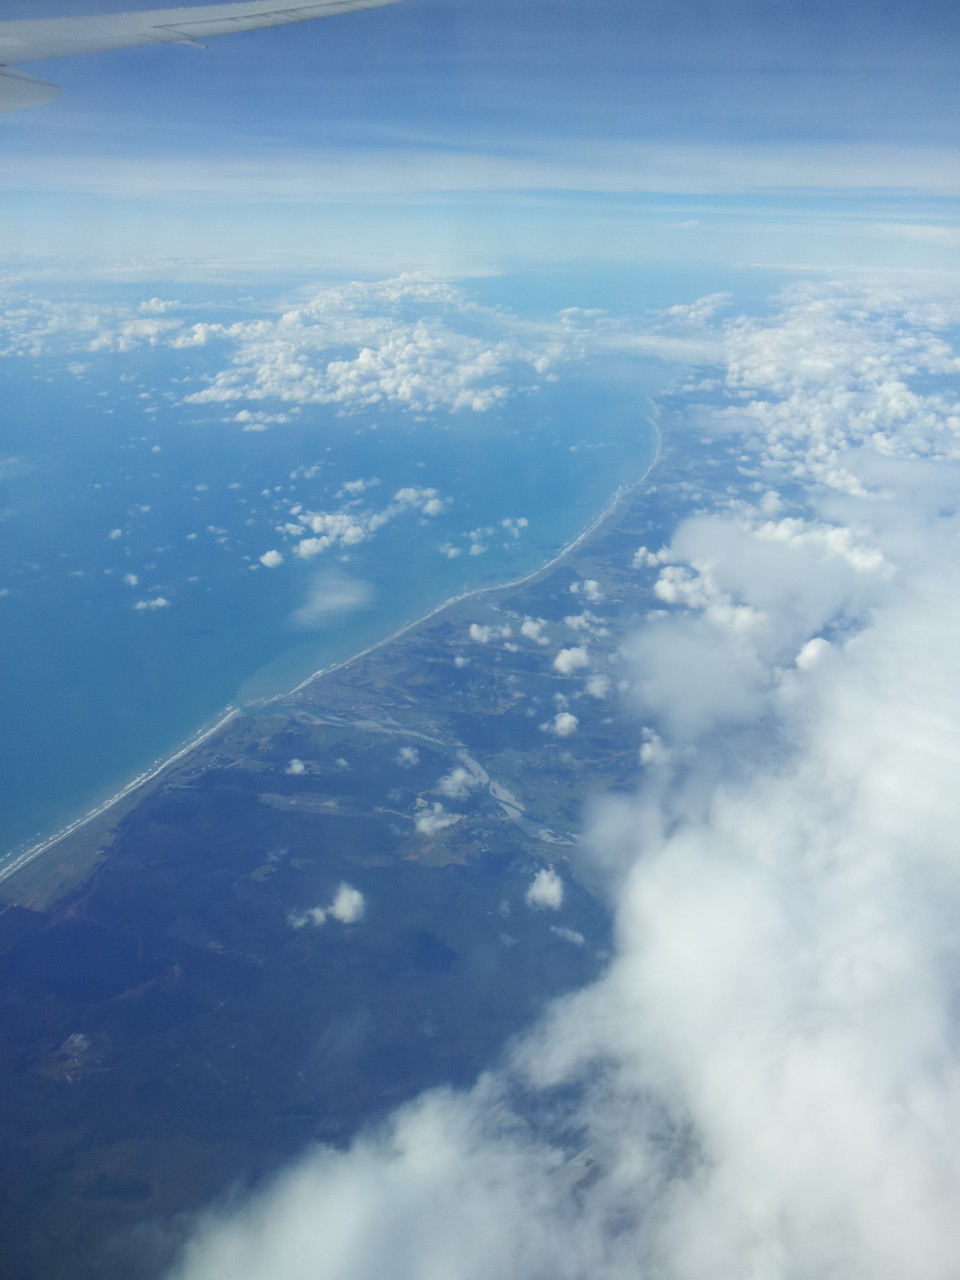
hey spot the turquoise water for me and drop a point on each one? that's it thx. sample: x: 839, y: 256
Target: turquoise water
x: 96, y: 690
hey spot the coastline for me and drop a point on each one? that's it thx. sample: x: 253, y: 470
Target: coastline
x: 143, y: 779
x: 28, y: 855
x: 622, y: 492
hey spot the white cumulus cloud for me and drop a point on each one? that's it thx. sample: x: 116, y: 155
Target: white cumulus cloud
x: 395, y: 342
x: 598, y: 686
x: 569, y: 660
x: 458, y: 783
x: 348, y: 905
x: 434, y: 819
x: 562, y: 725
x: 546, y: 891
x: 532, y: 629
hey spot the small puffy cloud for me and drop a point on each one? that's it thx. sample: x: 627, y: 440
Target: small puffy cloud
x: 642, y: 558
x: 546, y: 891
x: 458, y: 783
x: 157, y: 306
x: 562, y: 724
x: 569, y: 660
x: 434, y: 820
x: 295, y: 767
x: 131, y: 579
x: 515, y: 527
x: 407, y: 757
x: 532, y: 628
x: 426, y: 501
x: 348, y: 905
x: 257, y: 421
x: 579, y: 621
x: 589, y: 588
x: 568, y: 935
x: 157, y: 602
x: 315, y: 916
x: 334, y: 529
x: 271, y: 559
x: 353, y: 525
x: 328, y: 596
x: 483, y: 635
x: 308, y: 548
x: 598, y: 686
x: 114, y: 534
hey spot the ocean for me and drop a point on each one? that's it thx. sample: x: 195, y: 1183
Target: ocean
x: 136, y: 607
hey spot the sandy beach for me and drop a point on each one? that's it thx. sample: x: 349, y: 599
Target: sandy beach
x: 141, y: 780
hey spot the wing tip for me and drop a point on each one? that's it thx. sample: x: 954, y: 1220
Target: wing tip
x: 18, y: 90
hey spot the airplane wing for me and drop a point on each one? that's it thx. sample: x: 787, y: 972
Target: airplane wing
x: 33, y: 39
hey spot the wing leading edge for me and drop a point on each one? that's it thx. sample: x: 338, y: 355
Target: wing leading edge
x: 33, y: 39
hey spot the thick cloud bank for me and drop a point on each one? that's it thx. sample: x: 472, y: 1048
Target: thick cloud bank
x: 410, y: 342
x: 765, y: 1083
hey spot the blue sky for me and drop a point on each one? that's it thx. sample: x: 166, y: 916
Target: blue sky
x: 468, y: 135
